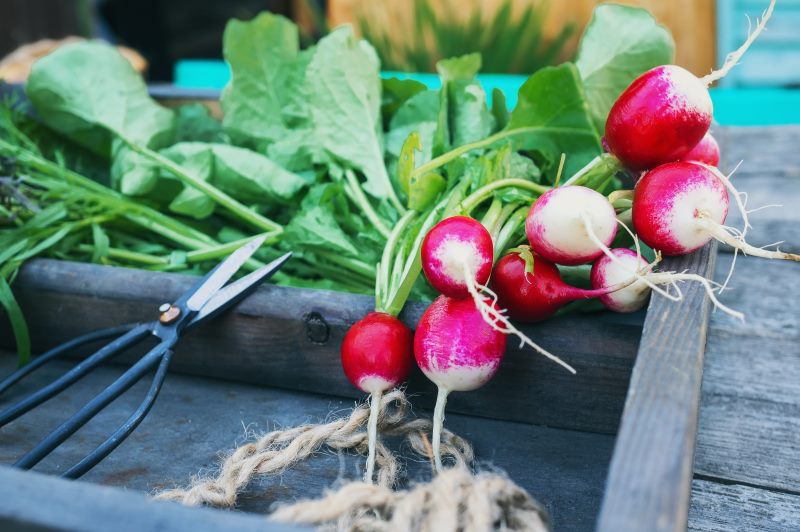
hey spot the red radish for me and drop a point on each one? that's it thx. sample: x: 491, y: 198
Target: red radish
x: 679, y: 207
x: 457, y: 350
x: 606, y: 272
x: 660, y: 117
x: 565, y: 224
x: 706, y: 152
x: 376, y: 356
x: 457, y: 255
x: 456, y: 252
x: 530, y: 287
x: 666, y: 111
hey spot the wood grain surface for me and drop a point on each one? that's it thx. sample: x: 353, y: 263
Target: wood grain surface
x: 290, y: 338
x: 649, y: 480
x: 196, y: 421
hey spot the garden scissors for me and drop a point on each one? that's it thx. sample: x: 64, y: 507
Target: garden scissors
x: 207, y: 298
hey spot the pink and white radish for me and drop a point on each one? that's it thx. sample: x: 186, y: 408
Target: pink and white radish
x: 607, y: 272
x: 457, y: 255
x: 457, y: 350
x: 679, y: 207
x: 666, y: 111
x: 570, y: 225
x: 530, y: 287
x: 377, y: 355
x: 623, y: 265
x: 706, y: 152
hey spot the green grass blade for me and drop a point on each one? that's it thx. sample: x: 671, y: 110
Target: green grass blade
x: 18, y: 325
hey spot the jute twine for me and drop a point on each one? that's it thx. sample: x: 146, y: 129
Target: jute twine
x: 454, y: 500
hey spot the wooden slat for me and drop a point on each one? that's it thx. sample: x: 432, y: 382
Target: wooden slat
x: 722, y: 507
x: 197, y: 420
x: 770, y: 175
x: 30, y: 502
x: 750, y: 418
x: 649, y: 480
x: 290, y: 338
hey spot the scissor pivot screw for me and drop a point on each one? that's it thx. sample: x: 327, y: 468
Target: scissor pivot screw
x: 169, y: 313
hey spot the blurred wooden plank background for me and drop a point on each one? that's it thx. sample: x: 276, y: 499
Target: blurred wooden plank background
x: 692, y: 22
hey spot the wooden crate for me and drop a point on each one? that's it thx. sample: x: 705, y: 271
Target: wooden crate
x: 638, y: 386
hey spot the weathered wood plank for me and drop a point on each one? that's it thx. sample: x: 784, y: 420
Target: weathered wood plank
x: 770, y: 174
x: 733, y: 507
x: 290, y: 338
x: 195, y: 419
x: 650, y: 475
x: 750, y: 417
x: 30, y: 502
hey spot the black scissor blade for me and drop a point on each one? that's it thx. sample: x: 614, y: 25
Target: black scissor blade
x: 235, y: 292
x: 220, y: 275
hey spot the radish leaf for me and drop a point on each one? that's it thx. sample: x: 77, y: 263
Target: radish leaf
x: 619, y: 44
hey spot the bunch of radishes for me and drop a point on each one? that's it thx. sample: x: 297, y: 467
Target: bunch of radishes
x: 659, y: 129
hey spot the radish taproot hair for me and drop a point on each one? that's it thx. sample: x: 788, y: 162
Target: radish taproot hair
x: 377, y: 354
x: 666, y: 111
x: 457, y: 350
x: 530, y: 287
x: 457, y: 255
x: 706, y: 151
x: 622, y: 266
x: 679, y: 207
x: 560, y: 222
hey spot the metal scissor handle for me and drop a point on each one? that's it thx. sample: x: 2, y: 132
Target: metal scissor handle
x: 203, y: 301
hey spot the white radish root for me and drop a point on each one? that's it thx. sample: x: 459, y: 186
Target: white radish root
x: 496, y: 317
x: 654, y: 279
x: 372, y: 433
x: 438, y: 423
x: 733, y: 58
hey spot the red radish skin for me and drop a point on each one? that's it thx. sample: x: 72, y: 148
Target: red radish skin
x: 607, y: 272
x: 670, y: 203
x: 377, y: 352
x: 531, y: 297
x: 556, y: 225
x: 679, y: 207
x: 454, y: 347
x: 706, y: 152
x: 457, y: 350
x: 659, y: 118
x: 666, y: 111
x: 453, y: 249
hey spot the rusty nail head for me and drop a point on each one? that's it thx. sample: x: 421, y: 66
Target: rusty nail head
x: 169, y: 313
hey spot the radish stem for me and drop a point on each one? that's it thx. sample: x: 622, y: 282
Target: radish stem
x: 358, y: 197
x: 223, y: 199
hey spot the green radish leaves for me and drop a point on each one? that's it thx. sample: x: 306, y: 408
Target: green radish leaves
x: 86, y: 90
x: 90, y: 93
x: 266, y: 71
x: 552, y: 117
x: 619, y: 44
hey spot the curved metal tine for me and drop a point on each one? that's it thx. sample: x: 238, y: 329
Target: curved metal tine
x: 105, y: 448
x: 133, y: 375
x: 57, y: 351
x: 85, y: 366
